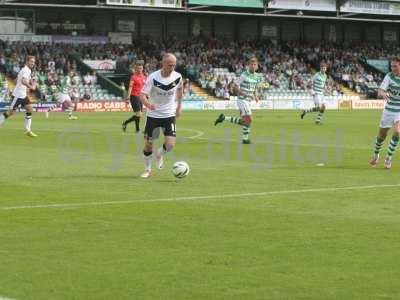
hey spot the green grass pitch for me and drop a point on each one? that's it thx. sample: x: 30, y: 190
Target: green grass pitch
x: 299, y: 214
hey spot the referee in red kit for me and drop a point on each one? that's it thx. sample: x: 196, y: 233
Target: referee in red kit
x: 135, y: 88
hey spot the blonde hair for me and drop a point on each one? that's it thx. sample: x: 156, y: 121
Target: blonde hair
x: 29, y: 57
x: 253, y: 59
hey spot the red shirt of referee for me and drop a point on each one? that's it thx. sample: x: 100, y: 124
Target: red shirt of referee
x: 136, y: 84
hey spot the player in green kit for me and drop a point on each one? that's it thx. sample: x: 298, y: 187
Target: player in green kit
x: 318, y: 88
x: 249, y: 82
x: 390, y: 91
x: 63, y: 98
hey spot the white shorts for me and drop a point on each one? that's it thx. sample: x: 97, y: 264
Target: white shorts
x: 389, y: 118
x: 319, y: 100
x: 61, y: 98
x: 244, y: 107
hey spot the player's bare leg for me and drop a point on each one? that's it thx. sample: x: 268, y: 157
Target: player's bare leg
x: 28, y: 121
x: 169, y: 143
x: 4, y: 116
x: 147, y: 155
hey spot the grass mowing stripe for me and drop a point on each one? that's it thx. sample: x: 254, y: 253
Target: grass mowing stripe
x: 192, y: 198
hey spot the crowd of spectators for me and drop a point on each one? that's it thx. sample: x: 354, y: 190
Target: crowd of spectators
x: 346, y: 65
x: 284, y: 66
x: 53, y: 64
x: 289, y: 66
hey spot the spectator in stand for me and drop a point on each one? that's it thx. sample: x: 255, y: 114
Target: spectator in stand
x: 4, y: 91
x: 226, y: 94
x: 43, y: 91
x: 51, y: 65
x: 86, y: 95
x: 370, y: 77
x: 2, y: 63
x: 123, y: 88
x: 75, y: 94
x: 93, y: 78
x: 87, y: 79
x: 52, y: 78
x: 187, y: 90
x: 75, y: 76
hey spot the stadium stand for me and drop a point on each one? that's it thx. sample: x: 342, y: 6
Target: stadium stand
x: 214, y: 64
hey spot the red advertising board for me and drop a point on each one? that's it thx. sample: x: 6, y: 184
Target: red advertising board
x: 99, y: 106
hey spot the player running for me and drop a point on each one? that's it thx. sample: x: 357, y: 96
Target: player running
x: 161, y: 89
x: 63, y: 98
x: 318, y: 88
x: 20, y: 96
x: 390, y: 91
x: 248, y: 86
x: 135, y: 87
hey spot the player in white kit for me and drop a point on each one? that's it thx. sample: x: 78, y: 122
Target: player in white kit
x: 20, y: 96
x: 159, y: 93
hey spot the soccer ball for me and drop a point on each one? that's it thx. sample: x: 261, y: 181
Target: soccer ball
x: 180, y: 169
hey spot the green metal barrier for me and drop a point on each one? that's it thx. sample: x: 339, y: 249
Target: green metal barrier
x: 377, y: 65
x: 106, y: 83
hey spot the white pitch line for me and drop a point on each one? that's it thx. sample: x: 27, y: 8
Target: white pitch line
x: 193, y: 198
x: 198, y: 133
x: 5, y: 298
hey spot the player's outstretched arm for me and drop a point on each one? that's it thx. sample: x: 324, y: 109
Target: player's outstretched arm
x: 179, y: 97
x: 256, y: 94
x: 383, y: 94
x: 145, y: 100
x: 238, y: 91
x: 129, y: 92
x: 28, y: 84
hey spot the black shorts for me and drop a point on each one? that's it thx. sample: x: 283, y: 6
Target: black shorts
x: 136, y: 104
x: 154, y: 125
x: 19, y: 102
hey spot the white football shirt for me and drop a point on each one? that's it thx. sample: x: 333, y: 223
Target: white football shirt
x: 20, y: 90
x: 162, y: 92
